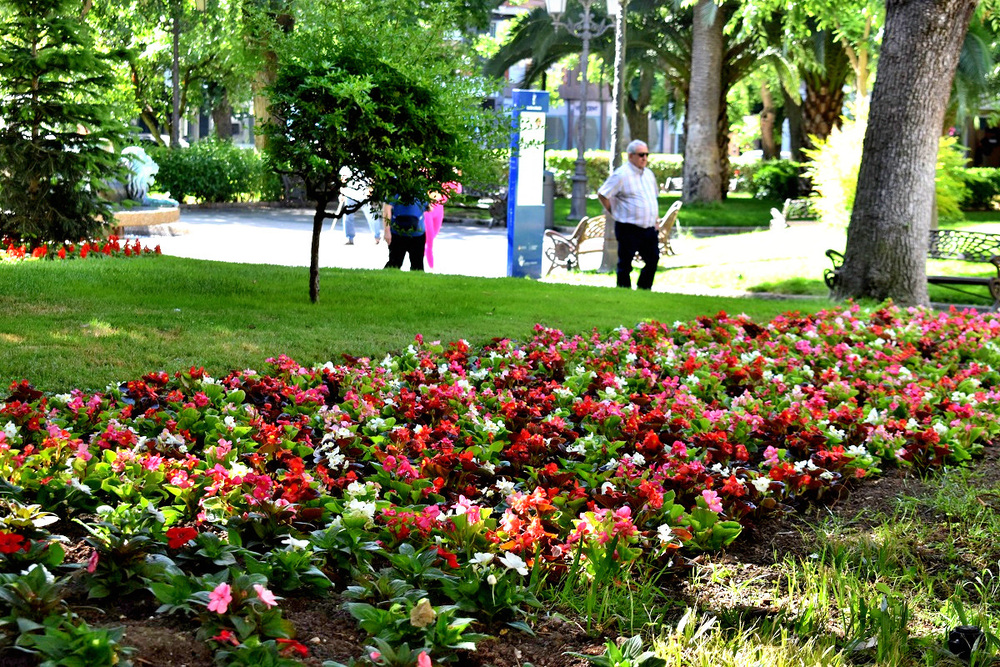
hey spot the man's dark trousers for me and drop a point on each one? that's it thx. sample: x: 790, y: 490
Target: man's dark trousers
x: 633, y: 239
x: 402, y: 246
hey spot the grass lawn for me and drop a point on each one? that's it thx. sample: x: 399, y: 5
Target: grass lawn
x: 87, y: 323
x: 789, y: 262
x: 739, y: 210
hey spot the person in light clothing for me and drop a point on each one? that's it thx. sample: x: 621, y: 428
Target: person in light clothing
x: 629, y: 195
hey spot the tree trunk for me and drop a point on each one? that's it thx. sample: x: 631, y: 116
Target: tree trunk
x: 637, y: 109
x: 264, y: 78
x: 702, y: 180
x: 318, y: 219
x: 767, y: 117
x: 222, y: 117
x: 887, y: 239
x: 722, y: 136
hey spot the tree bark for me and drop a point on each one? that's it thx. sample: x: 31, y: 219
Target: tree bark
x: 702, y: 177
x: 822, y: 107
x: 318, y: 217
x: 887, y: 239
x: 768, y: 145
x: 222, y: 117
x: 637, y: 109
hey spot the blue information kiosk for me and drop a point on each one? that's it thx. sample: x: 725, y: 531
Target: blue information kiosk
x: 525, y: 202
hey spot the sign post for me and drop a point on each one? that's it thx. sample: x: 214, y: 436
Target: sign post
x: 525, y: 203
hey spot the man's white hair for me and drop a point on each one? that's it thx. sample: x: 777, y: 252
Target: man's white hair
x: 633, y: 146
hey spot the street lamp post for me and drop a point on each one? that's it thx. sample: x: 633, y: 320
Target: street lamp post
x: 616, y: 8
x: 584, y: 29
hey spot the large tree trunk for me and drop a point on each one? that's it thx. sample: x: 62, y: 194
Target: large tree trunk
x: 722, y: 136
x: 767, y: 117
x: 702, y: 180
x: 637, y: 108
x: 887, y: 239
x: 222, y: 117
x: 264, y: 78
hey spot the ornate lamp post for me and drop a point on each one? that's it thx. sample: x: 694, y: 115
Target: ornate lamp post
x: 585, y: 30
x: 617, y: 9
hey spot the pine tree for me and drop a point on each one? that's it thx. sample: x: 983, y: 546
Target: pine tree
x: 59, y: 143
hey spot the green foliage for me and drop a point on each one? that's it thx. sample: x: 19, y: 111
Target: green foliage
x: 983, y: 185
x: 59, y: 141
x: 837, y: 160
x: 776, y: 179
x: 210, y: 171
x: 598, y: 167
x: 949, y: 181
x: 629, y: 654
x: 67, y: 642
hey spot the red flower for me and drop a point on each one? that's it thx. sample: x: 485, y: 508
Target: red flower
x: 292, y: 646
x: 179, y: 536
x: 225, y: 636
x: 12, y: 543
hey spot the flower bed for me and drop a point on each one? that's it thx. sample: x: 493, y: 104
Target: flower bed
x: 111, y: 247
x: 445, y: 481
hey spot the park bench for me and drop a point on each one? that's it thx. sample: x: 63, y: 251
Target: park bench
x: 949, y: 244
x: 588, y: 237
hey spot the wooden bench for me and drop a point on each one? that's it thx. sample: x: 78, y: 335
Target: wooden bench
x: 565, y: 251
x: 949, y: 244
x: 588, y: 237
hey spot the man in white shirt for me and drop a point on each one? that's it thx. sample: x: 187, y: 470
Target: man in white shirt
x: 630, y: 196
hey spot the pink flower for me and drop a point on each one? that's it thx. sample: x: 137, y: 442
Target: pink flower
x: 423, y: 660
x: 266, y: 596
x: 92, y: 562
x: 374, y: 655
x: 219, y: 599
x: 712, y: 498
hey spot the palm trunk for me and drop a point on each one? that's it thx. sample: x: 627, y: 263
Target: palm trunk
x: 767, y: 117
x: 702, y: 180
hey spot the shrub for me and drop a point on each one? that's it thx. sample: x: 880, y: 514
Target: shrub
x: 210, y: 171
x: 983, y: 185
x: 949, y: 182
x: 775, y: 179
x: 837, y: 160
x: 563, y: 164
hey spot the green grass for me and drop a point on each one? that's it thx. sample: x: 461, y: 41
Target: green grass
x: 739, y: 210
x: 87, y: 323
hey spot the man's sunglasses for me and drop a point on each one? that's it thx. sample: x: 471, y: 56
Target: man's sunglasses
x: 641, y: 154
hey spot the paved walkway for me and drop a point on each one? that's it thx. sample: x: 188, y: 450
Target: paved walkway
x: 284, y: 236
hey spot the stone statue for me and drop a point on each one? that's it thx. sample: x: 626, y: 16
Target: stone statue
x: 141, y: 171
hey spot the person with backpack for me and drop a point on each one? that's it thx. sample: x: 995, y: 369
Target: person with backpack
x: 405, y: 233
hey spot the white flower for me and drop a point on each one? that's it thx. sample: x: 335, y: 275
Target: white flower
x: 664, y: 533
x: 912, y: 425
x: 607, y: 487
x: 294, y: 543
x: 360, y: 508
x: 873, y: 417
x: 762, y: 484
x: 836, y: 433
x: 514, y: 562
x: 940, y: 428
x: 10, y: 429
x: 229, y: 422
x: 481, y: 559
x: 857, y: 451
x: 505, y: 487
x: 491, y: 580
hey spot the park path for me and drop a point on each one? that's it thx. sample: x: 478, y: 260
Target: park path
x: 283, y: 237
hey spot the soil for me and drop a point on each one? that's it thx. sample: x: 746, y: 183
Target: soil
x: 332, y: 634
